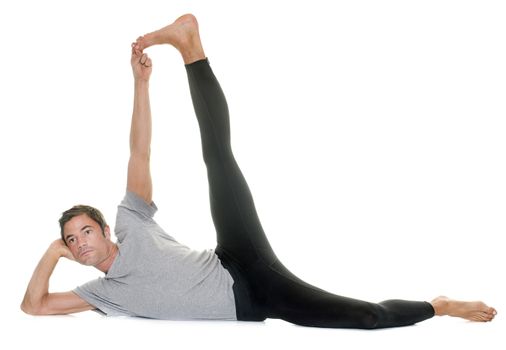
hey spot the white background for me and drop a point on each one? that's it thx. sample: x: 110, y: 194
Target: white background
x: 372, y: 135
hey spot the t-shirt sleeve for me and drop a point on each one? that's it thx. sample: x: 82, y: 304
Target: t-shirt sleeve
x: 97, y: 293
x: 133, y: 214
x: 133, y: 202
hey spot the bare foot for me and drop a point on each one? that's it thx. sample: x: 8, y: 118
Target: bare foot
x: 469, y: 310
x: 183, y: 34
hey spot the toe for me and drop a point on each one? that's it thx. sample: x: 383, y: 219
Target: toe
x: 483, y: 317
x: 489, y: 316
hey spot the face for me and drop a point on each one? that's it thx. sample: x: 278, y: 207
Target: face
x: 85, y: 240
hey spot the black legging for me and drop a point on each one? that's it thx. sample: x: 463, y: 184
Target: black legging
x: 263, y: 287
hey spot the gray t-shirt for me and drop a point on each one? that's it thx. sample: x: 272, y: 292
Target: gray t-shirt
x: 154, y: 276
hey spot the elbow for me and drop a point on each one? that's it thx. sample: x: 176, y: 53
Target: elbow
x: 27, y: 309
x: 30, y: 309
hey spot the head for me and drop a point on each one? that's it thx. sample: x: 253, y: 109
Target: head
x: 86, y: 234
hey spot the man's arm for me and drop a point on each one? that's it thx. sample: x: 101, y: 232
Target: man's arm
x: 139, y: 176
x: 38, y: 300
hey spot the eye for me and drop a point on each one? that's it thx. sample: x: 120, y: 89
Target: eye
x: 87, y: 232
x: 71, y: 240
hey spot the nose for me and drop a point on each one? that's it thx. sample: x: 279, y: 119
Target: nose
x: 81, y: 244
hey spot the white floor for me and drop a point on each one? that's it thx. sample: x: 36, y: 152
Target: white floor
x: 90, y: 330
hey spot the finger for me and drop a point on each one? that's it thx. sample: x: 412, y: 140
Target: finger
x: 138, y: 41
x: 135, y: 51
x: 143, y: 59
x: 148, y: 63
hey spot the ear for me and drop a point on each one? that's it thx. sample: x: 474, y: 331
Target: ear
x: 107, y: 232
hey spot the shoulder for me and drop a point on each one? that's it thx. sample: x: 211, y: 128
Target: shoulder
x: 134, y: 203
x: 133, y: 215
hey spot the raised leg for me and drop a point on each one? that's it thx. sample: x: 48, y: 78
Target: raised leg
x: 238, y: 227
x: 239, y: 231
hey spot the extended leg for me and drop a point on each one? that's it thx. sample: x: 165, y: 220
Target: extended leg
x: 309, y: 307
x: 297, y: 303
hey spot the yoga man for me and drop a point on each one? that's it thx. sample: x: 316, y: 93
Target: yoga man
x: 149, y: 274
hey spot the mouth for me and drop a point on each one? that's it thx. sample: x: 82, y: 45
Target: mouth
x: 84, y: 253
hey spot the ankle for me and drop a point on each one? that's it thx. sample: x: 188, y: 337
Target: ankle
x: 191, y: 49
x: 191, y: 57
x: 440, y: 306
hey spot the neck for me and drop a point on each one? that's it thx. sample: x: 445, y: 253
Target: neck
x: 105, y: 265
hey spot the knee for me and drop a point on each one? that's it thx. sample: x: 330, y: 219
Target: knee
x: 370, y: 317
x: 215, y: 158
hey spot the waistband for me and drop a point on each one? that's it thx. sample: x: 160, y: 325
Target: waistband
x: 246, y: 308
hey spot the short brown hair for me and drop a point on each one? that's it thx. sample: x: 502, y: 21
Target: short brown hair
x: 77, y: 210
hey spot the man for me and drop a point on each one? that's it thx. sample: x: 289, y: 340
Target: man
x: 149, y: 274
